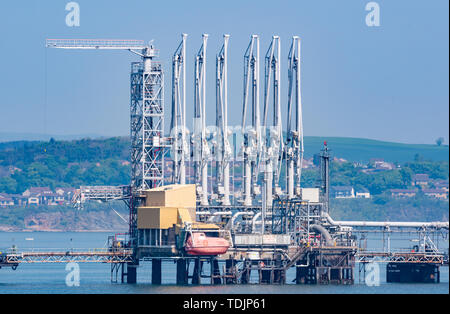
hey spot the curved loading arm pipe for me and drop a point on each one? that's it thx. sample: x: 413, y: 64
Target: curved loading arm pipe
x: 324, y: 232
x: 235, y: 216
x: 256, y: 217
x: 386, y: 223
x: 254, y: 221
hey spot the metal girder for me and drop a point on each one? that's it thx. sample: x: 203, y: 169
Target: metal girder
x: 120, y: 44
x: 147, y: 125
x: 148, y: 144
x: 105, y: 193
x: 366, y: 257
x: 146, y: 107
x: 122, y: 256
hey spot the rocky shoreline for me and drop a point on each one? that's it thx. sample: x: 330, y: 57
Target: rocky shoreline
x: 69, y: 221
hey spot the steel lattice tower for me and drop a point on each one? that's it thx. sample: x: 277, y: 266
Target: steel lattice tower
x: 148, y: 145
x: 147, y: 122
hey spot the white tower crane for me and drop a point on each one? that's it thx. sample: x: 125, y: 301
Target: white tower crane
x: 178, y: 123
x: 252, y: 136
x: 273, y: 148
x: 294, y: 130
x: 201, y: 148
x: 223, y: 144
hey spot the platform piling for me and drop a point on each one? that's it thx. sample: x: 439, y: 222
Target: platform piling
x: 131, y: 273
x: 230, y: 271
x: 182, y: 276
x: 156, y: 271
x: 215, y: 272
x: 246, y: 272
x: 196, y: 275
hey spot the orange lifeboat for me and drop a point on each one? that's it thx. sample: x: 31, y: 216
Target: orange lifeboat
x: 200, y: 244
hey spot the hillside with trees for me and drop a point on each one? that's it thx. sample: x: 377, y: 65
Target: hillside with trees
x: 73, y: 163
x: 64, y: 163
x: 106, y: 162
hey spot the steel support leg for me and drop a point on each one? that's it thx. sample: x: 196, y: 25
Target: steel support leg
x: 196, y: 275
x: 156, y: 271
x: 230, y: 271
x: 215, y: 272
x: 131, y: 273
x: 182, y: 278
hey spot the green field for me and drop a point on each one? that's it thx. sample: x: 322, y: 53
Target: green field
x: 359, y: 149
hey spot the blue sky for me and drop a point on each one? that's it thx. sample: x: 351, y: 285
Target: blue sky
x: 387, y: 83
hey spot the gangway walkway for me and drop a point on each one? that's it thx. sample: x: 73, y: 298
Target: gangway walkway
x: 110, y: 256
x: 400, y: 257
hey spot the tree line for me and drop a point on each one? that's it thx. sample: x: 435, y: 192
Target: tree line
x: 104, y: 162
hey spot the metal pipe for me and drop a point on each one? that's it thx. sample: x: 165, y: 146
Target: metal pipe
x: 385, y: 224
x: 324, y: 232
x: 247, y: 179
x: 183, y: 117
x: 236, y: 215
x: 204, y: 199
x: 262, y: 222
x: 227, y: 213
x: 226, y: 170
x: 294, y: 130
x: 201, y: 166
x: 307, y: 262
x: 223, y: 146
x: 299, y: 116
x: 253, y: 137
x: 254, y: 222
x: 178, y: 121
x: 271, y: 151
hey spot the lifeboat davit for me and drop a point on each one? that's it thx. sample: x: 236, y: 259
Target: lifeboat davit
x: 200, y: 244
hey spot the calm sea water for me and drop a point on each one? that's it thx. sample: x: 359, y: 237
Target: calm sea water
x: 95, y: 278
